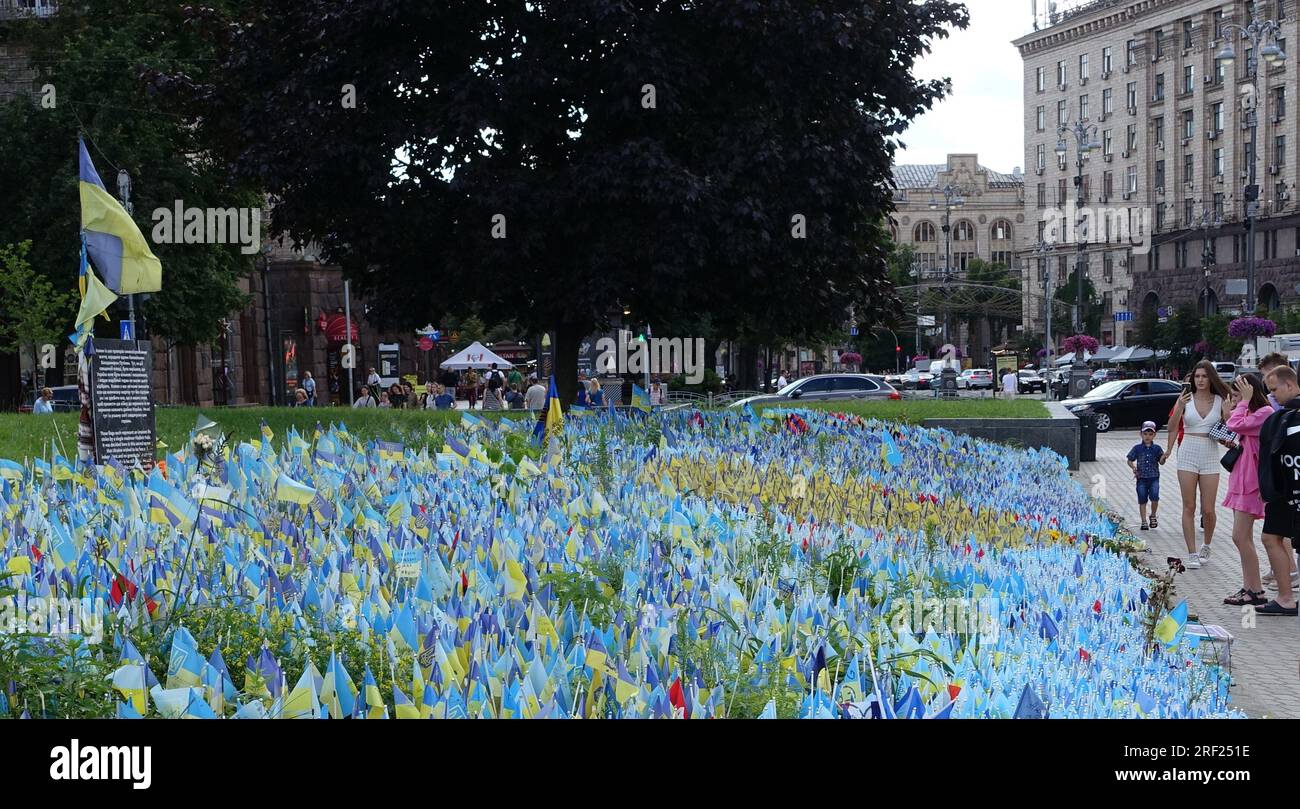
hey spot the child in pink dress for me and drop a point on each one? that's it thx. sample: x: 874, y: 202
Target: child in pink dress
x: 1250, y: 412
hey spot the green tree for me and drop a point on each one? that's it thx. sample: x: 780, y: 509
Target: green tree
x: 1146, y: 328
x: 1068, y: 293
x: 32, y: 311
x: 101, y: 57
x: 1181, y: 331
x: 558, y: 160
x: 1214, y: 330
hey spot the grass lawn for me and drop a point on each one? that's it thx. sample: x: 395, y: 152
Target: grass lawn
x: 23, y: 435
x: 915, y: 411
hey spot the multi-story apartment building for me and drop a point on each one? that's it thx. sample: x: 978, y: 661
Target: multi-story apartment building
x: 1173, y: 144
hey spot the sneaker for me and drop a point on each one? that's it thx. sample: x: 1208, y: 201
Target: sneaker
x: 1205, y: 553
x: 1193, y: 562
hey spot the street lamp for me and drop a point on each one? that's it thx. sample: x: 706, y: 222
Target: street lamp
x: 1041, y: 251
x: 1210, y: 219
x: 1085, y: 140
x: 951, y: 199
x: 1262, y: 35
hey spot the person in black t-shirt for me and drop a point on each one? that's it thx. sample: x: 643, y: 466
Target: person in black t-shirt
x: 1279, y: 486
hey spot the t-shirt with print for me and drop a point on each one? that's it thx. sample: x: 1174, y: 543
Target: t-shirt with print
x: 1148, y: 460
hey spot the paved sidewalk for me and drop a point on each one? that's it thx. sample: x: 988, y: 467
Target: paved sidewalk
x: 1265, y: 652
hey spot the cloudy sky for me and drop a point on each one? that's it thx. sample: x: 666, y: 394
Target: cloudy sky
x: 983, y: 114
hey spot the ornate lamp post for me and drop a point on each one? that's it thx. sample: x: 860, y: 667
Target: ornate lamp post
x: 1085, y: 140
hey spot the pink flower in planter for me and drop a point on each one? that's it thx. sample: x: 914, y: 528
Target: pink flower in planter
x: 1248, y: 328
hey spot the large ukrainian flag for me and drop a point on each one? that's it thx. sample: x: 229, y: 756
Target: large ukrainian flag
x: 116, y: 246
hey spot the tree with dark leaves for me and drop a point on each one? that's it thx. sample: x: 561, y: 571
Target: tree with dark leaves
x: 557, y: 162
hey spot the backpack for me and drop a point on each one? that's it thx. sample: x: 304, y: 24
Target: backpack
x: 495, y: 380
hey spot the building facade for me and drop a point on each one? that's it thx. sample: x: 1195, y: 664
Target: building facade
x: 1174, y: 154
x: 989, y: 224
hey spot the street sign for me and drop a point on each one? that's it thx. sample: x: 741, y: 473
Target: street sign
x: 1236, y: 286
x: 425, y: 344
x: 128, y: 329
x: 1162, y: 313
x: 853, y: 332
x: 1121, y: 317
x: 925, y: 320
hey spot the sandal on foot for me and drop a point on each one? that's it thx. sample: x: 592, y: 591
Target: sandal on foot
x: 1154, y: 522
x: 1244, y: 597
x: 1274, y: 608
x: 1144, y: 526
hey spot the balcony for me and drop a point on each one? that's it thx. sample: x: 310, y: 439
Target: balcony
x: 22, y: 9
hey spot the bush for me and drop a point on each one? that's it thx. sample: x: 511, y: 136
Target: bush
x: 712, y: 383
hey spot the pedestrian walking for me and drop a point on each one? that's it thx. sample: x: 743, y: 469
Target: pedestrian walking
x: 1202, y: 405
x: 1250, y: 411
x: 365, y: 398
x: 44, y: 404
x: 1279, y: 486
x: 309, y: 385
x: 1145, y: 459
x: 1010, y: 383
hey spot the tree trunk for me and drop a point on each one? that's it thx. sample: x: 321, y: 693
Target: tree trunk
x: 745, y: 366
x: 568, y: 337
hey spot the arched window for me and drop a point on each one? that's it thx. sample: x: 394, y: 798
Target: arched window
x: 924, y: 232
x: 963, y: 231
x: 1000, y: 231
x: 893, y: 231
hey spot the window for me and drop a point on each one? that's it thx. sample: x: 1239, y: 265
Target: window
x: 961, y: 261
x: 1042, y: 157
x: 1132, y: 138
x: 1216, y: 116
x: 1107, y: 303
x: 1279, y: 191
x: 1130, y: 51
x: 1187, y: 35
x: 1062, y: 268
x: 1060, y: 191
x: 822, y: 385
x: 1160, y: 88
x: 1247, y: 154
x: 1107, y: 101
x: 1132, y: 97
x: 1042, y: 195
x: 1061, y: 73
x: 1189, y: 163
x: 1189, y: 123
x: 1279, y: 103
x: 1083, y: 107
x: 1159, y: 128
x: 1087, y: 187
x: 1083, y: 66
x: 1042, y: 118
x: 1180, y: 255
x: 1188, y: 213
x: 964, y: 231
x: 1108, y: 184
x: 1042, y: 79
x: 1000, y: 231
x: 1250, y: 61
x: 924, y: 232
x: 1217, y: 161
x: 1107, y: 143
x: 927, y: 261
x: 1132, y: 179
x: 1189, y: 76
x: 1279, y: 150
x: 1062, y: 111
x: 1218, y: 205
x: 1218, y: 25
x: 1160, y: 175
x: 1004, y: 257
x: 1105, y: 60
x: 1160, y: 216
x: 1220, y: 71
x: 1160, y: 44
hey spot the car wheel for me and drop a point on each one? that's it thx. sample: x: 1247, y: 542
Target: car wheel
x: 1103, y: 422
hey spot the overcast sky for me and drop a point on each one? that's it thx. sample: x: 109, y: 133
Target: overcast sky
x: 984, y: 113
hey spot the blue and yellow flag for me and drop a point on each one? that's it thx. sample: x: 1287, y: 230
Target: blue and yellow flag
x: 116, y: 246
x: 640, y: 399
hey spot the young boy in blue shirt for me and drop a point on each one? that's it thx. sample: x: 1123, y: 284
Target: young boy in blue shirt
x: 1145, y: 460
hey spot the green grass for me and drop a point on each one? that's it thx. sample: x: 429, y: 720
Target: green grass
x: 24, y: 436
x: 915, y: 411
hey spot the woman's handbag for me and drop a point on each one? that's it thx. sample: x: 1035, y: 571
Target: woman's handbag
x: 1230, y: 458
x: 1220, y: 432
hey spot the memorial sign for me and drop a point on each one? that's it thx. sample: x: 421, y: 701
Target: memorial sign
x: 121, y: 398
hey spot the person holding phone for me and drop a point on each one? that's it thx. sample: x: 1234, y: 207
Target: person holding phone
x: 1202, y: 405
x: 1249, y: 413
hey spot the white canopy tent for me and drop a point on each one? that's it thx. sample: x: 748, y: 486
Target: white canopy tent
x: 475, y: 356
x: 1067, y: 359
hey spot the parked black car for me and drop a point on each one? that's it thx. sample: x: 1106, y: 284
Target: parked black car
x: 1031, y: 382
x: 1128, y: 402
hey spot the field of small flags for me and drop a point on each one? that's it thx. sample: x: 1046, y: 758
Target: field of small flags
x: 686, y: 564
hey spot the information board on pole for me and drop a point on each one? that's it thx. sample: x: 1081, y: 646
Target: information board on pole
x: 122, y: 405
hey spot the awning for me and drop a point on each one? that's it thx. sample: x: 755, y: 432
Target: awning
x: 1134, y: 354
x: 476, y: 356
x: 1066, y: 359
x: 1107, y: 354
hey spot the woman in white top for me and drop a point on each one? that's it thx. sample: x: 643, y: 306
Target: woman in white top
x: 1204, y: 403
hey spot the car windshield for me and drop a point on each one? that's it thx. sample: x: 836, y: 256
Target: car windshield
x: 1106, y: 391
x: 786, y: 390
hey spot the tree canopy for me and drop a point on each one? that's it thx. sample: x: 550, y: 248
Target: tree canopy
x: 560, y: 162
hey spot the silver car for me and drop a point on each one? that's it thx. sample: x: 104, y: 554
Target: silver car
x: 828, y: 387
